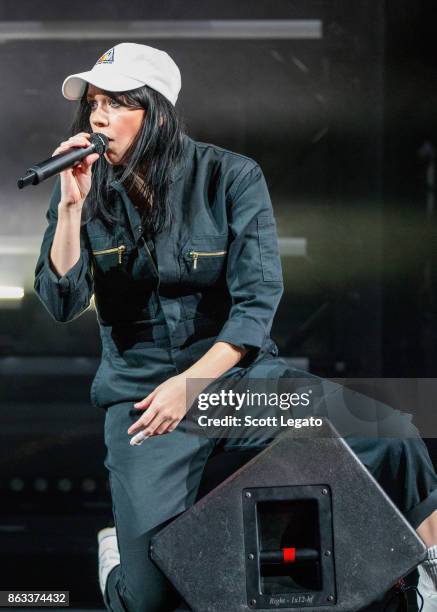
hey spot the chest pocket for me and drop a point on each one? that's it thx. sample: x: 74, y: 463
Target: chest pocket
x: 109, y: 246
x: 111, y: 254
x: 123, y: 279
x: 112, y: 258
x: 203, y: 260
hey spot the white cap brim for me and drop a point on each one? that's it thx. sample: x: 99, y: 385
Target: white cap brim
x: 74, y: 85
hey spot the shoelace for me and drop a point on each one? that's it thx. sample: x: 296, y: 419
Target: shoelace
x: 401, y: 589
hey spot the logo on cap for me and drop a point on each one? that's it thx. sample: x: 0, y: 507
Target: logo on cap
x: 106, y: 58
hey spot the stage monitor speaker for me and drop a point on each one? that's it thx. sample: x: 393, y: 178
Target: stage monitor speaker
x: 303, y: 525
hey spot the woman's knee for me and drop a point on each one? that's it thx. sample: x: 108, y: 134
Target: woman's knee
x: 409, y: 451
x: 383, y: 455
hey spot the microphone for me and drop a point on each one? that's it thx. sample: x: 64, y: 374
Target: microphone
x: 39, y: 172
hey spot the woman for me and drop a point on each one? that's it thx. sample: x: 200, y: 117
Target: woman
x: 177, y: 242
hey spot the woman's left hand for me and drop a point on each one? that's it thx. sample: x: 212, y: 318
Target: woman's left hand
x: 165, y: 408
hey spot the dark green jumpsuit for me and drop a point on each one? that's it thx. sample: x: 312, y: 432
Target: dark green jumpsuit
x: 215, y: 275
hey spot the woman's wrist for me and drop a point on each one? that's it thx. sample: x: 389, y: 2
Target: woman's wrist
x: 69, y: 209
x: 219, y: 359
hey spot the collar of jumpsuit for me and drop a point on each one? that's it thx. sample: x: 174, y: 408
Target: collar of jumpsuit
x: 132, y: 211
x: 176, y: 174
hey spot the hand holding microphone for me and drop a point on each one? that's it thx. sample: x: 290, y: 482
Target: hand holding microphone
x: 73, y: 160
x: 76, y: 179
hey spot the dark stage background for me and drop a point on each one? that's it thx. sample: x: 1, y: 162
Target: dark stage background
x: 341, y: 113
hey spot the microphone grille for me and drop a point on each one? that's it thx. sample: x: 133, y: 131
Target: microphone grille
x: 100, y: 142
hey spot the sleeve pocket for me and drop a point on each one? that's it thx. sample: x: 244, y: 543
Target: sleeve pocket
x: 268, y: 244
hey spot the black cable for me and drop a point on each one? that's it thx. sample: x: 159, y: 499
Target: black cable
x: 401, y: 589
x: 414, y: 588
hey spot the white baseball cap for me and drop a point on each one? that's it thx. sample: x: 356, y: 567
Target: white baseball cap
x: 128, y: 66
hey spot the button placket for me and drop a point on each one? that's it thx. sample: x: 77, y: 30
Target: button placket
x: 137, y: 232
x: 135, y: 225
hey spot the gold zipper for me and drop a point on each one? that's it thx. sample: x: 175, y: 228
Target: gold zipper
x: 196, y: 254
x: 120, y: 250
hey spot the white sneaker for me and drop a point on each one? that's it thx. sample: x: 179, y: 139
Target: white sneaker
x: 109, y: 556
x: 427, y: 591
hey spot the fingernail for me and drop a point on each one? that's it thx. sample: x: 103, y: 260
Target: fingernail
x: 138, y: 439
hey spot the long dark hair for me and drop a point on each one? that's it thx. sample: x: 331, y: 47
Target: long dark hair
x: 150, y: 159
